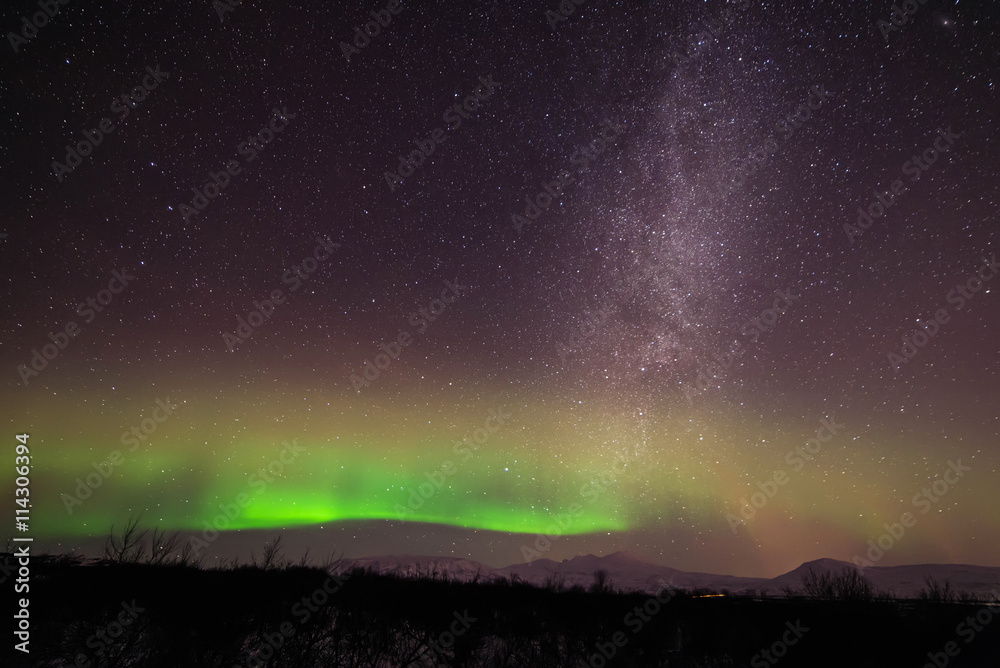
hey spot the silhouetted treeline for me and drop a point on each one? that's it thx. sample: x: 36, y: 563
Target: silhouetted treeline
x: 280, y: 615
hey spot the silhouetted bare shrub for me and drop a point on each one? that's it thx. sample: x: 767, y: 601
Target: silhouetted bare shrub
x: 602, y: 583
x: 848, y: 585
x: 937, y: 592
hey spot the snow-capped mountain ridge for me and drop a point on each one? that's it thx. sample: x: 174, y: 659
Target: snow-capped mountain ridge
x: 629, y: 573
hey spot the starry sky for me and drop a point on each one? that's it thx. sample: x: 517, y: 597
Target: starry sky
x: 609, y: 268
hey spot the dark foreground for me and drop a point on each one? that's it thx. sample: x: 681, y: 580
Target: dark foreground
x: 173, y: 616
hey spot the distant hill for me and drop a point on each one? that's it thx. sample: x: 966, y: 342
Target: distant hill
x: 629, y: 573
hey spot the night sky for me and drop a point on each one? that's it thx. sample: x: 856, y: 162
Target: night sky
x: 606, y: 269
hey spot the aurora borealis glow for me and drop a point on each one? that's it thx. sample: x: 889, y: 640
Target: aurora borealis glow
x: 630, y: 334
